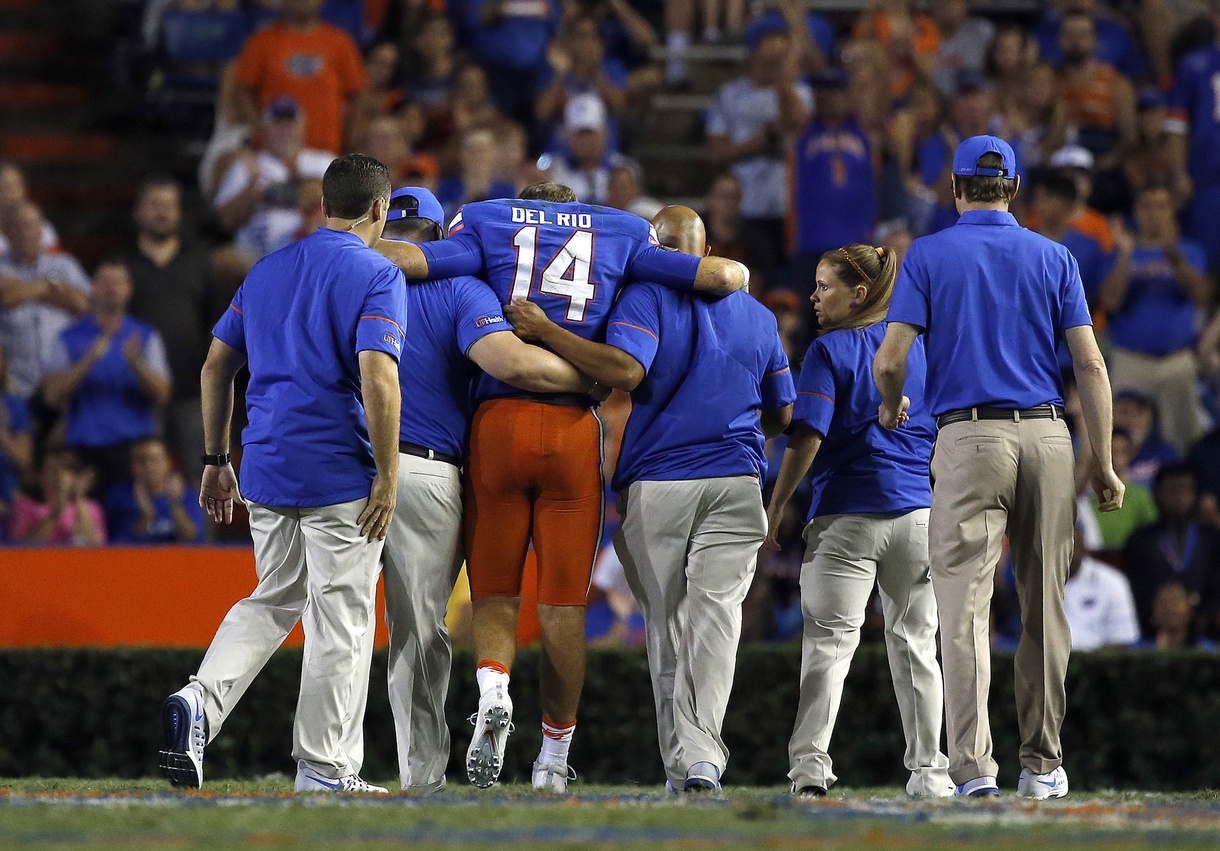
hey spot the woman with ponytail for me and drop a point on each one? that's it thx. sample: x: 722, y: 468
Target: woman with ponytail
x: 868, y: 522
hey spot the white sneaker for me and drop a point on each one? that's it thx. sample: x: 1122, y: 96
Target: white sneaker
x: 552, y: 778
x: 309, y: 780
x: 185, y: 732
x: 702, y: 777
x: 931, y: 784
x: 979, y: 787
x: 492, y: 725
x: 1043, y: 786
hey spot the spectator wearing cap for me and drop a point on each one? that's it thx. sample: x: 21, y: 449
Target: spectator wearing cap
x: 1156, y: 282
x: 964, y: 42
x: 155, y: 506
x: 587, y: 165
x: 748, y: 128
x: 1098, y: 601
x: 455, y: 327
x: 174, y: 290
x: 475, y: 179
x: 13, y: 193
x: 1195, y: 118
x: 510, y: 39
x: 578, y: 65
x: 41, y: 293
x: 1076, y: 163
x: 833, y: 200
x: 1112, y: 42
x: 308, y: 60
x: 1176, y: 548
x: 110, y: 375
x: 1136, y: 414
x: 257, y: 198
x: 1100, y: 99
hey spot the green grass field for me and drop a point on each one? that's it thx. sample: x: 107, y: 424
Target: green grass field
x: 136, y: 814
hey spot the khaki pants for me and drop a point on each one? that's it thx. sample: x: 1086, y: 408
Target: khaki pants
x: 421, y: 561
x: 1172, y: 382
x: 313, y: 566
x: 845, y: 555
x: 992, y: 477
x: 689, y: 549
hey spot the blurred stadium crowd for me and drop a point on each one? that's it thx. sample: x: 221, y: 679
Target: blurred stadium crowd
x: 793, y: 127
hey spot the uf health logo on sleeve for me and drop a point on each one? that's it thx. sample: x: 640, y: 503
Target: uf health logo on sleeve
x: 484, y: 321
x: 392, y: 340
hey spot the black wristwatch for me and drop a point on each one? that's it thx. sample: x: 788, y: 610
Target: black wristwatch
x: 215, y: 460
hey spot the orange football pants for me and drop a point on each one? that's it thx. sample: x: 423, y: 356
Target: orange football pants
x: 534, y: 474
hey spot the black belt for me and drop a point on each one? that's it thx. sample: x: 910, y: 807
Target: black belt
x: 962, y: 415
x: 423, y: 452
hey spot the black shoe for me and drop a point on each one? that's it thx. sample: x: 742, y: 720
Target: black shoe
x: 811, y: 792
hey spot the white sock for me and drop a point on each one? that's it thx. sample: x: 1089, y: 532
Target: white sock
x: 490, y: 679
x: 555, y: 743
x: 675, y: 67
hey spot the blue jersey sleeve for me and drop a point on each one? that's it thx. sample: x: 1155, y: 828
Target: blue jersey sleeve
x: 667, y: 268
x: 1075, y: 311
x: 477, y: 312
x: 460, y: 253
x: 383, y: 314
x: 777, y: 388
x: 635, y: 324
x: 815, y: 392
x: 231, y: 328
x: 911, y: 303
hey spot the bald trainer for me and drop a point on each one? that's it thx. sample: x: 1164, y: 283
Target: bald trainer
x: 709, y: 382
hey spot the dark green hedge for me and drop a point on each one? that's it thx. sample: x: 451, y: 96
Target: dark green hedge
x: 1135, y: 720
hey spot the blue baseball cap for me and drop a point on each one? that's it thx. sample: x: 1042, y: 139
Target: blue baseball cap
x: 965, y: 160
x: 415, y: 202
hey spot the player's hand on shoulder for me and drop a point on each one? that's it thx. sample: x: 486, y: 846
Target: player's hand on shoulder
x: 374, y: 521
x: 529, y: 321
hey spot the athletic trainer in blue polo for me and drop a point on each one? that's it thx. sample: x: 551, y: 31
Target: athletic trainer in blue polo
x: 992, y: 300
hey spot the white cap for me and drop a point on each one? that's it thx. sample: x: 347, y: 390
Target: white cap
x: 584, y: 112
x: 1072, y: 156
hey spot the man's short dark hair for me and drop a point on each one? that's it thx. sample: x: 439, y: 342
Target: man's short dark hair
x: 1057, y: 184
x: 985, y: 190
x: 412, y: 228
x: 1178, y: 469
x: 155, y: 181
x: 549, y: 190
x: 351, y: 184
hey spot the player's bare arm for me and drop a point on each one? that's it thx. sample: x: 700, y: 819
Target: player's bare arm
x: 1096, y: 399
x: 890, y: 372
x: 383, y: 408
x: 721, y: 276
x: 604, y: 364
x: 773, y: 421
x: 406, y: 256
x: 802, y: 449
x: 506, y: 358
x: 218, y: 487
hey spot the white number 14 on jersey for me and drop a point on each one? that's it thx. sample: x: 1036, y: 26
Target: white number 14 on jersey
x: 567, y: 275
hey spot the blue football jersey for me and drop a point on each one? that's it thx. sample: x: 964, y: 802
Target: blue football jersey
x: 569, y: 259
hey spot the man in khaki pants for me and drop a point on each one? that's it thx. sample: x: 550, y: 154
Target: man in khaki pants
x: 993, y: 300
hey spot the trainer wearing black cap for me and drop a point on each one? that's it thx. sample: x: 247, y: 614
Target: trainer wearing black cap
x: 993, y: 300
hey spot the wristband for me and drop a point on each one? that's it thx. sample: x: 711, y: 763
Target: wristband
x: 215, y: 460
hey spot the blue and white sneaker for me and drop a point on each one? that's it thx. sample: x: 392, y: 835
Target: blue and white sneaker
x: 979, y: 787
x: 492, y: 725
x: 185, y: 732
x: 702, y: 777
x: 309, y: 780
x: 552, y: 777
x: 1043, y: 786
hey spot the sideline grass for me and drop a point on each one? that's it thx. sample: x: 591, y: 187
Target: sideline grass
x: 110, y: 813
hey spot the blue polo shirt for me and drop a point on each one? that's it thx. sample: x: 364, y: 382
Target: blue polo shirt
x: 447, y: 317
x: 710, y: 366
x: 862, y: 468
x: 1158, y: 316
x: 993, y: 300
x: 123, y: 512
x: 300, y: 318
x: 109, y: 407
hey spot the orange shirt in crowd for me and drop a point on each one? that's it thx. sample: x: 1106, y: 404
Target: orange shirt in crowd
x: 320, y: 69
x: 1090, y: 98
x: 1089, y: 223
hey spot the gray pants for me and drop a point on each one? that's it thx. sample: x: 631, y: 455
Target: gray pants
x: 689, y: 550
x: 992, y: 477
x: 845, y: 554
x: 421, y: 561
x: 313, y: 566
